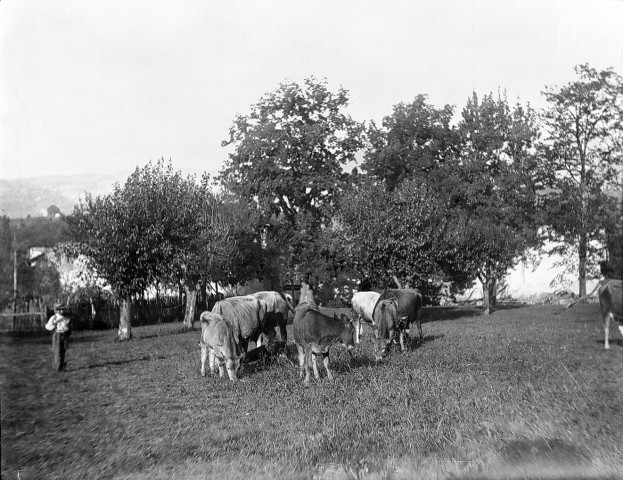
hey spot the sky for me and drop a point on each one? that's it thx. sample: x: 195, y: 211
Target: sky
x: 105, y: 86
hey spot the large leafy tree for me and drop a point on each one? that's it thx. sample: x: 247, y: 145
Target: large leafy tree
x: 583, y: 152
x: 491, y: 187
x: 395, y: 235
x: 415, y: 140
x: 203, y: 240
x: 157, y: 226
x: 288, y: 162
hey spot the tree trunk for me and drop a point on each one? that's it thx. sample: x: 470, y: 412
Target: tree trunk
x: 486, y: 300
x: 125, y: 318
x: 191, y: 304
x: 582, y: 247
x: 493, y: 296
x: 204, y: 295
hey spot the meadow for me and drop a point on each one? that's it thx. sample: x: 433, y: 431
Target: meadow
x: 528, y: 392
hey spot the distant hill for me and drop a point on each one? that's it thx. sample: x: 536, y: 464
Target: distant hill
x: 21, y: 197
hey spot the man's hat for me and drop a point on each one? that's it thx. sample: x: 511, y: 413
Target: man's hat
x: 59, y: 306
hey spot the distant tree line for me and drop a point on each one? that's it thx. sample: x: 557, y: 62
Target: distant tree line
x: 429, y: 202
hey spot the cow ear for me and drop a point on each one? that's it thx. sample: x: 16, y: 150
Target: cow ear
x: 345, y: 319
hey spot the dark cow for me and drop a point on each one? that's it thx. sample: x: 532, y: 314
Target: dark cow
x: 610, y: 304
x: 217, y: 341
x: 394, y: 313
x: 278, y: 306
x: 315, y: 332
x: 247, y: 315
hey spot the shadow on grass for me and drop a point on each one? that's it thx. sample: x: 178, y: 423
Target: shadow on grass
x: 144, y: 358
x: 441, y: 314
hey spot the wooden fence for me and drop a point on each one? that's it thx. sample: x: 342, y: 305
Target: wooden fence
x: 22, y: 322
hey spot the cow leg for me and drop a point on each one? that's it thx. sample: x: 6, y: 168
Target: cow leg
x: 325, y: 361
x: 212, y: 360
x: 621, y: 330
x: 244, y: 345
x: 402, y: 340
x: 301, y: 352
x: 204, y: 356
x: 315, y: 365
x: 283, y: 330
x: 358, y: 328
x: 606, y: 329
x: 308, y: 362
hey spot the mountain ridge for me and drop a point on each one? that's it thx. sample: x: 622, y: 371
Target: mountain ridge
x: 31, y: 196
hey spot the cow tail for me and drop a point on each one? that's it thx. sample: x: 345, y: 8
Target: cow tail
x: 285, y: 299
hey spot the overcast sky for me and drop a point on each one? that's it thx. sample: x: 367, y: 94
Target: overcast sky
x: 103, y: 86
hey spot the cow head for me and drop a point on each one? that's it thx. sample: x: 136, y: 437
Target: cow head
x: 347, y: 337
x: 386, y: 319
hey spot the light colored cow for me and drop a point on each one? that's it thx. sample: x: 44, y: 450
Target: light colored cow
x: 610, y: 304
x: 247, y: 315
x: 363, y: 304
x: 277, y: 308
x: 217, y: 342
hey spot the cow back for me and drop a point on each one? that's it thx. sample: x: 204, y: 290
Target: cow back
x: 408, y: 302
x: 363, y: 304
x: 312, y: 326
x: 245, y: 313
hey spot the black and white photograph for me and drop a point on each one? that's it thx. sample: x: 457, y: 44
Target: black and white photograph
x: 311, y: 240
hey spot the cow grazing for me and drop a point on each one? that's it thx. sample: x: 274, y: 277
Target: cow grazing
x: 610, y: 303
x: 314, y: 333
x: 217, y: 342
x: 278, y: 306
x: 363, y: 304
x: 247, y: 316
x: 394, y: 313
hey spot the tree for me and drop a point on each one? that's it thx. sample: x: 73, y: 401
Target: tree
x: 155, y: 227
x: 205, y: 240
x: 491, y: 190
x: 583, y: 153
x: 415, y: 140
x: 289, y: 159
x: 394, y: 234
x: 6, y: 261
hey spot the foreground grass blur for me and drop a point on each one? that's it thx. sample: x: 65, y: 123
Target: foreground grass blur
x: 527, y: 390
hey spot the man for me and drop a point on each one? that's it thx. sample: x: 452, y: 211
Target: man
x: 60, y: 326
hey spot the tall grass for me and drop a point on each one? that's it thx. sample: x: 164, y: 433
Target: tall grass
x: 525, y: 390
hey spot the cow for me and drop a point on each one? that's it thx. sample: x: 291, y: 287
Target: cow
x: 314, y: 333
x: 610, y: 304
x: 217, y: 341
x: 363, y: 304
x: 247, y: 316
x: 278, y: 307
x: 394, y: 312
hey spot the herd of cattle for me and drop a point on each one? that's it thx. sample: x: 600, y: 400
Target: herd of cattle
x: 234, y: 322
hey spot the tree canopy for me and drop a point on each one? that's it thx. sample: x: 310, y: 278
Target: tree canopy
x: 157, y: 226
x: 583, y: 155
x: 289, y: 160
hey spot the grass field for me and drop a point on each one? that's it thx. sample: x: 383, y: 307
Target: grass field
x: 527, y: 392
